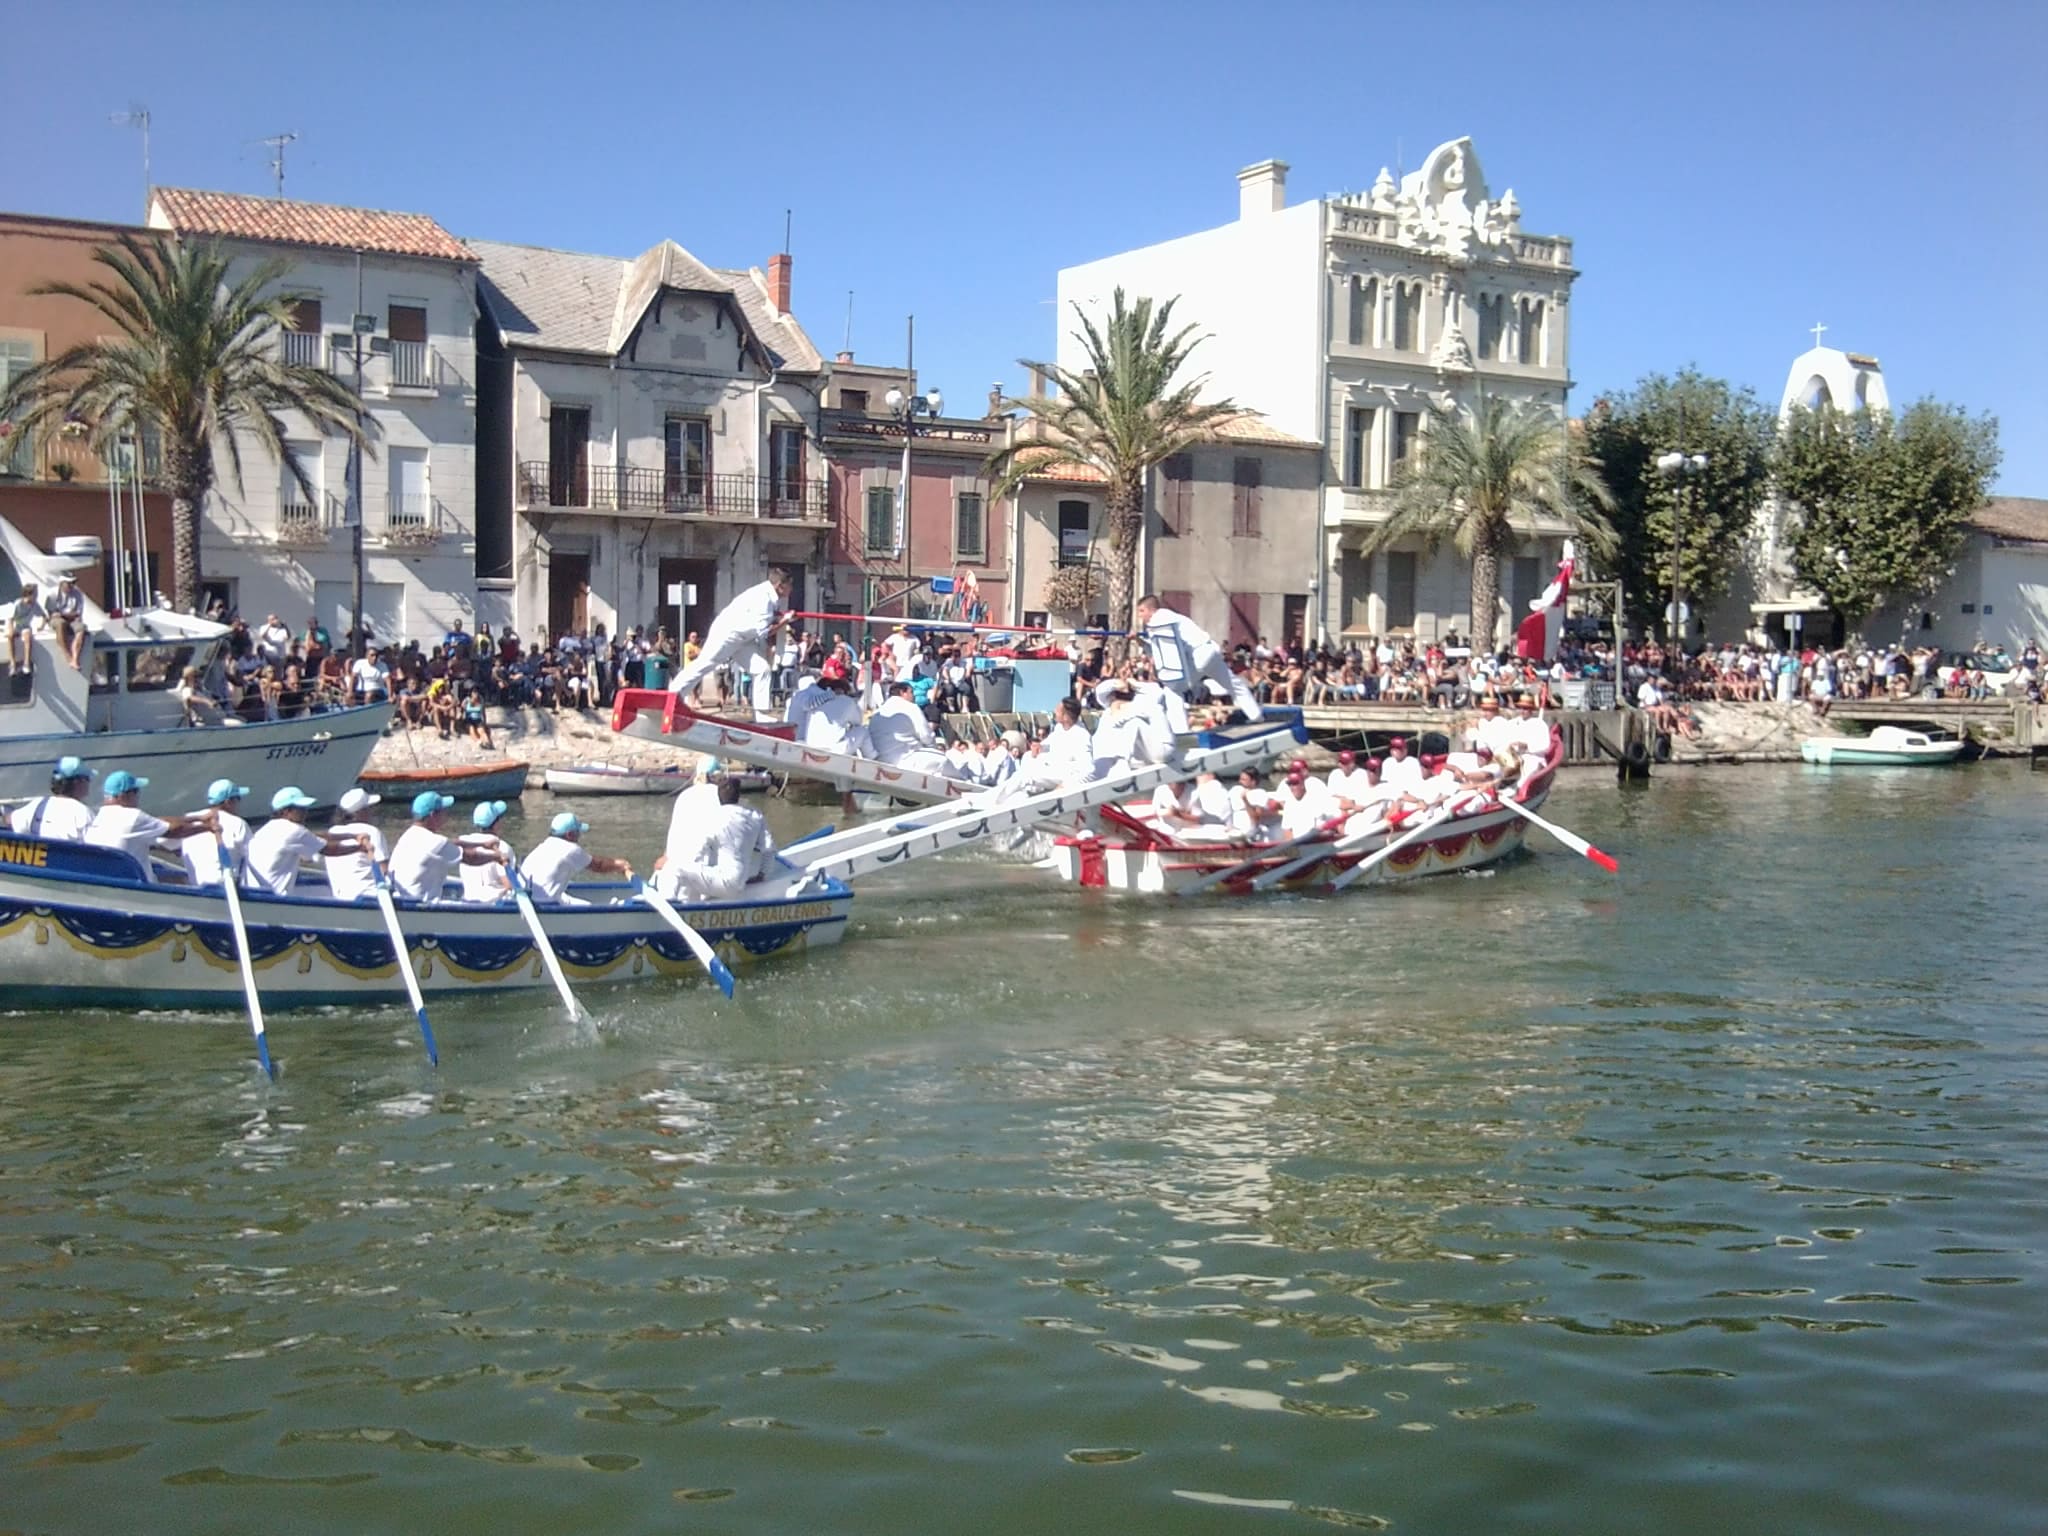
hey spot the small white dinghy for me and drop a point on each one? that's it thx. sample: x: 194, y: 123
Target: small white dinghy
x: 614, y: 779
x: 1889, y: 746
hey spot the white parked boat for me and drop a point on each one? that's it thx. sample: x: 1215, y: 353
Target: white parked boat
x: 615, y: 779
x: 117, y: 709
x: 1889, y: 746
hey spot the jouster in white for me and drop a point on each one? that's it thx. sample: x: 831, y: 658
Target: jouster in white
x: 720, y: 849
x: 740, y: 634
x: 1182, y: 648
x: 901, y: 735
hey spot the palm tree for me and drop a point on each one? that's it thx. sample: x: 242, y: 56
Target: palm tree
x: 195, y: 360
x: 1476, y: 475
x: 1119, y: 415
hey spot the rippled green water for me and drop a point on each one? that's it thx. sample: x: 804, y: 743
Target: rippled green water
x: 1705, y: 1199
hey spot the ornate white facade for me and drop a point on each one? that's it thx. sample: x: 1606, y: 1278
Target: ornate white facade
x: 1343, y: 320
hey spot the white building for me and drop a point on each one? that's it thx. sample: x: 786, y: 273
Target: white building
x: 407, y: 288
x: 645, y: 424
x: 1342, y: 320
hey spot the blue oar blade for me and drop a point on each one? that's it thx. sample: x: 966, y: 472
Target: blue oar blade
x: 427, y: 1034
x: 263, y: 1055
x: 722, y: 974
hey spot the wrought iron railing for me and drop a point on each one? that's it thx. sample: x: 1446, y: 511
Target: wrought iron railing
x: 412, y: 365
x: 607, y: 488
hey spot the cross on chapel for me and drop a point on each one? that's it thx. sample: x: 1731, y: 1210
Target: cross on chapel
x: 1816, y: 334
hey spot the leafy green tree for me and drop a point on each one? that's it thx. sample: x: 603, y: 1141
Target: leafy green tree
x: 1476, y: 475
x: 1712, y: 509
x: 1881, y: 500
x: 194, y: 359
x: 1125, y: 411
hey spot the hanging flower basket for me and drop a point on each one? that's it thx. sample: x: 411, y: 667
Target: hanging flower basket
x: 1071, y: 588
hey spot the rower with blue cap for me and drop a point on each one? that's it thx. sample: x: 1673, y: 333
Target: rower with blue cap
x: 487, y: 883
x: 284, y: 842
x: 121, y: 823
x: 561, y: 857
x: 201, y: 850
x: 62, y: 815
x: 425, y: 858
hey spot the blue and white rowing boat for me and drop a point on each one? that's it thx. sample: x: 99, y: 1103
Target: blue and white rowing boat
x: 81, y: 927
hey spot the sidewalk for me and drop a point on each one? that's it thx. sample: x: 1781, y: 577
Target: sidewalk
x: 540, y: 738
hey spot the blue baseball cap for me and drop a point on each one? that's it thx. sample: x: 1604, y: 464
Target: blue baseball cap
x: 292, y: 798
x: 427, y: 801
x: 122, y: 782
x: 220, y: 791
x: 566, y: 822
x: 69, y: 768
x: 487, y: 813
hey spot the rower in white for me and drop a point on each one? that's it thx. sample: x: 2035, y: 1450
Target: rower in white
x: 424, y: 858
x: 121, y: 823
x: 354, y: 874
x: 201, y: 851
x: 1193, y: 811
x: 1067, y: 756
x: 560, y: 857
x: 902, y: 736
x: 62, y: 815
x: 1253, y: 812
x: 1401, y: 772
x: 740, y: 634
x: 487, y: 884
x: 1530, y: 733
x: 285, y: 842
x: 721, y: 850
x: 1204, y: 660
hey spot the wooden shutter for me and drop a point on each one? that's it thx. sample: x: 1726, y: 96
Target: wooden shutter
x: 1176, y: 493
x: 1244, y: 618
x: 1244, y: 504
x: 407, y: 322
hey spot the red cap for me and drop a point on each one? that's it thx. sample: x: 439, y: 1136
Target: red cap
x: 1297, y: 770
x: 1399, y: 741
x: 1347, y: 759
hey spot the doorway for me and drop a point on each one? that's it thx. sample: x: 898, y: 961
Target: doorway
x: 568, y: 594
x: 679, y: 621
x: 569, y: 456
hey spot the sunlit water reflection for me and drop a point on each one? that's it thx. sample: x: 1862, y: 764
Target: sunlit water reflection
x: 1707, y: 1198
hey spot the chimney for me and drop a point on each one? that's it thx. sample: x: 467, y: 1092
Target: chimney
x: 1037, y: 381
x: 844, y: 357
x: 1261, y: 189
x: 778, y: 282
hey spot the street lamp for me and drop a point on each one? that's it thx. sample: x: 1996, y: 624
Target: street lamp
x: 907, y: 408
x: 1687, y: 467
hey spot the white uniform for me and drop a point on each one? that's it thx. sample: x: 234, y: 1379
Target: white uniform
x: 834, y: 725
x: 1402, y: 773
x: 1245, y: 805
x: 552, y: 865
x: 422, y: 861
x: 131, y: 830
x: 1300, y: 814
x: 202, y: 853
x: 485, y: 884
x: 687, y: 825
x: 350, y: 875
x: 275, y: 853
x: 1067, y: 756
x: 737, y: 634
x: 1530, y: 736
x: 54, y: 818
x: 732, y: 848
x: 801, y: 704
x: 1353, y: 784
x: 1205, y: 799
x: 902, y: 737
x: 1172, y: 636
x: 1129, y: 734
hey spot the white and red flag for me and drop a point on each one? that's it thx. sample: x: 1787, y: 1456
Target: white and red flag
x: 1536, y: 636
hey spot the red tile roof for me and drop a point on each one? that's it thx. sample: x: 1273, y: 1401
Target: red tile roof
x: 233, y: 215
x: 2020, y: 518
x: 1062, y: 469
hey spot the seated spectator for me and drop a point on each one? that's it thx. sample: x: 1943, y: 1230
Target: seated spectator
x: 473, y: 721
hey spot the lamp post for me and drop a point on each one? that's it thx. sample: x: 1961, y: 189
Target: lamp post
x: 906, y: 408
x: 1686, y: 467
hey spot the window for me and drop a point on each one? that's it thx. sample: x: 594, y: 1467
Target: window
x: 406, y: 322
x: 17, y: 452
x: 686, y: 463
x: 786, y: 466
x: 408, y: 326
x: 1927, y: 621
x: 1492, y: 309
x: 1525, y: 585
x: 1365, y: 298
x: 853, y: 399
x: 1400, y: 589
x: 970, y: 527
x: 1354, y: 592
x: 1244, y: 499
x: 881, y: 520
x: 1075, y: 518
x: 1408, y: 317
x: 298, y: 506
x: 412, y: 507
x: 1036, y: 618
x: 301, y: 341
x: 1176, y: 493
x: 1244, y: 618
x: 1531, y: 344
x: 1407, y: 427
x: 1294, y: 618
x: 1357, y: 445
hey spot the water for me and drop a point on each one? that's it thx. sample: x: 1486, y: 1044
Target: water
x: 1706, y: 1198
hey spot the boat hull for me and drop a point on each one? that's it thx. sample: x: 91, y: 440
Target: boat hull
x: 321, y: 754
x: 77, y: 929
x: 482, y: 781
x: 1850, y: 754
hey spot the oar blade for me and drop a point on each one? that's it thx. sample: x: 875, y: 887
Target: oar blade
x: 1605, y: 860
x: 263, y: 1055
x: 427, y: 1034
x: 722, y: 974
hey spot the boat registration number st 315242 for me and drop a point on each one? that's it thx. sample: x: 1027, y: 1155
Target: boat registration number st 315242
x: 295, y: 749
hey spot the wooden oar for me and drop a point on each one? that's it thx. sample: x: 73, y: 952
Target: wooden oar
x: 404, y: 958
x: 234, y: 897
x: 1571, y: 840
x: 1218, y: 877
x: 1373, y: 861
x: 522, y: 893
x: 707, y: 957
x: 1273, y: 877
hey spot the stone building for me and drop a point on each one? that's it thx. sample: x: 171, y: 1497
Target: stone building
x: 1343, y: 320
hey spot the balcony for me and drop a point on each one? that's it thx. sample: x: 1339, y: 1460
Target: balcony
x: 301, y: 349
x: 411, y: 520
x: 66, y: 457
x: 308, y: 524
x: 606, y: 488
x: 412, y: 365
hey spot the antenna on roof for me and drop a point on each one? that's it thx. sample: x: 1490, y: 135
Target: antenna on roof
x: 277, y: 142
x: 785, y: 231
x: 847, y: 346
x: 137, y: 116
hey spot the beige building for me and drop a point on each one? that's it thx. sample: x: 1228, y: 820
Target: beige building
x: 1230, y: 537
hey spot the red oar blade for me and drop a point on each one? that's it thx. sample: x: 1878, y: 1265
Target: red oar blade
x: 1604, y: 860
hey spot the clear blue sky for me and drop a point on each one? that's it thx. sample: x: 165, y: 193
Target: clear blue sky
x: 1731, y: 172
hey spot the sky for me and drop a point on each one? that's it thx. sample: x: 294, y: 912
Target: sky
x: 1732, y: 174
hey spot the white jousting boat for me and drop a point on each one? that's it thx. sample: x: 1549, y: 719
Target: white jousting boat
x: 117, y: 708
x: 80, y: 927
x: 1889, y: 746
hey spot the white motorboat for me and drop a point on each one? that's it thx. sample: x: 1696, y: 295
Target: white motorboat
x: 616, y: 779
x: 1889, y: 746
x: 117, y: 708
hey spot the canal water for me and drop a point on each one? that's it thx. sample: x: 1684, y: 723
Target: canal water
x: 1705, y: 1198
